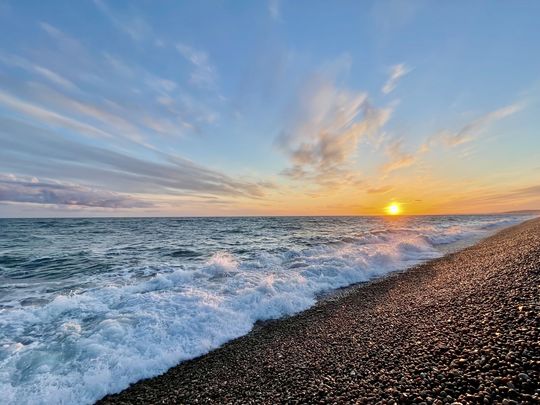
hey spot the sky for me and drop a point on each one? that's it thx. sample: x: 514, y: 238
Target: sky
x: 182, y: 108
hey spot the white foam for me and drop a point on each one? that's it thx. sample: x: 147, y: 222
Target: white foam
x: 79, y: 347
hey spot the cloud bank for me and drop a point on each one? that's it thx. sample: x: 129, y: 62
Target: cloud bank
x: 49, y: 192
x: 28, y: 149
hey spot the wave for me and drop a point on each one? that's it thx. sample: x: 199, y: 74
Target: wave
x: 137, y: 323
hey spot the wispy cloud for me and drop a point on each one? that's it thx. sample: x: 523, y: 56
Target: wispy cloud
x: 396, y: 73
x: 183, y: 111
x: 133, y: 25
x: 519, y: 194
x: 64, y: 40
x: 115, y: 125
x: 274, y: 9
x: 379, y: 190
x: 155, y: 104
x: 22, y: 189
x: 161, y: 85
x: 118, y: 65
x: 75, y: 107
x: 399, y: 159
x: 325, y: 130
x: 498, y: 198
x: 22, y: 63
x: 204, y: 73
x: 50, y: 117
x: 27, y: 149
x: 54, y: 77
x: 471, y: 130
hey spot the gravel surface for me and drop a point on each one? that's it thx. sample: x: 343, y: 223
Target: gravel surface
x: 464, y: 328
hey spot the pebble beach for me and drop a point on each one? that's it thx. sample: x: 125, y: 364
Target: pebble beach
x: 464, y: 328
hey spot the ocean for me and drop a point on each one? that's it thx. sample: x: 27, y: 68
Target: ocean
x: 88, y: 306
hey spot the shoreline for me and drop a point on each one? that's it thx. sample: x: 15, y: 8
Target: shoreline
x: 418, y: 335
x: 448, y: 249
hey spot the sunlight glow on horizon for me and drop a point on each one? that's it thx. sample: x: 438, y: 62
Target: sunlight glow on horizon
x: 393, y: 209
x: 171, y: 110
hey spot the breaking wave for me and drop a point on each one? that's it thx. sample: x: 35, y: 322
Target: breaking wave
x: 74, y: 343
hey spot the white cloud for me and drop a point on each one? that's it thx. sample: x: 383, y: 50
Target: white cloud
x: 204, y: 73
x: 51, y: 30
x: 54, y: 77
x: 396, y: 72
x: 324, y: 133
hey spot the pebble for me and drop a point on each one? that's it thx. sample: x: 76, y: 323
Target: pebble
x: 460, y: 329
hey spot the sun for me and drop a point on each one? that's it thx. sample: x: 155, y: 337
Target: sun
x: 393, y: 209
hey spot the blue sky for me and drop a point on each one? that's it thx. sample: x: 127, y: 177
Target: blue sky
x: 268, y: 107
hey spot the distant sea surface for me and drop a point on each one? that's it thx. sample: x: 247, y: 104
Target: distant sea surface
x: 88, y: 306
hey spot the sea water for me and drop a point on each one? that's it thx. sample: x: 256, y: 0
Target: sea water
x: 88, y: 306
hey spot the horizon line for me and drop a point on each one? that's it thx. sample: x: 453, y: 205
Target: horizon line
x: 519, y: 212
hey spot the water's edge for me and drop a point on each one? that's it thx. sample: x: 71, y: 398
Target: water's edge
x: 133, y: 323
x: 340, y: 293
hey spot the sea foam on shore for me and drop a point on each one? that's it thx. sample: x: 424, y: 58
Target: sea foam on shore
x: 69, y: 335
